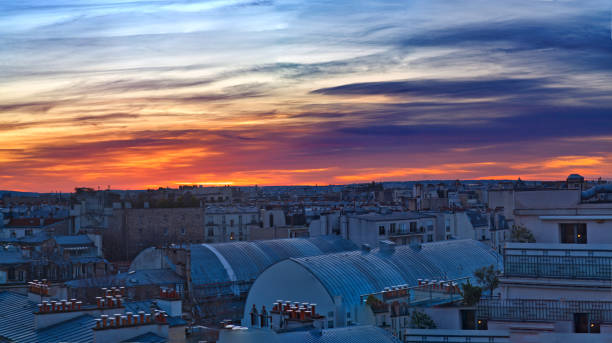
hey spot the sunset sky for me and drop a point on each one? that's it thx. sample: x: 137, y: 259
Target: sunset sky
x: 138, y: 94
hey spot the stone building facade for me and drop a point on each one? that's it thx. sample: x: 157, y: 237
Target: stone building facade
x: 133, y: 229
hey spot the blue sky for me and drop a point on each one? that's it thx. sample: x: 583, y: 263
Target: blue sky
x: 158, y: 93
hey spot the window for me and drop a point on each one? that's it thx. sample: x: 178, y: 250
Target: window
x: 231, y: 236
x: 402, y: 228
x: 231, y: 222
x: 183, y: 230
x: 211, y: 232
x: 381, y: 230
x: 392, y: 228
x: 430, y: 238
x: 573, y: 233
x: 581, y: 322
x: 330, y: 324
x: 330, y: 314
x: 28, y: 232
x: 413, y: 227
x: 165, y: 231
x: 11, y: 273
x: 468, y: 319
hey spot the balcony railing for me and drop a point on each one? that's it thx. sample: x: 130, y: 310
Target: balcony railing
x: 542, y: 310
x: 564, y: 267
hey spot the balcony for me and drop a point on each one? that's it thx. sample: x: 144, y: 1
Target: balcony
x: 521, y: 260
x: 542, y: 310
x: 570, y: 267
x: 407, y: 232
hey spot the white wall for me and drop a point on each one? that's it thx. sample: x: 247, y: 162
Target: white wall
x: 287, y: 281
x: 565, y: 289
x: 547, y: 231
x: 445, y: 317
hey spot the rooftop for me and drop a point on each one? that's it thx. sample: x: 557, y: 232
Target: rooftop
x: 355, y: 273
x: 136, y: 278
x: 231, y: 268
x: 17, y: 323
x: 73, y: 240
x: 351, y: 334
x: 32, y: 222
x: 11, y: 255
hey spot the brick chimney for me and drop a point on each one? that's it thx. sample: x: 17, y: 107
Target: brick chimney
x: 290, y: 316
x: 170, y: 301
x: 119, y: 327
x: 39, y: 290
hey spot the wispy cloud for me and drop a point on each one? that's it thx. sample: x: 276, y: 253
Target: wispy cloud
x: 136, y: 93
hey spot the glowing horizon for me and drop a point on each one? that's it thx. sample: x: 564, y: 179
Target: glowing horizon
x: 144, y: 93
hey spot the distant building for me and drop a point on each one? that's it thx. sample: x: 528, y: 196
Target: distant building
x: 131, y: 230
x: 402, y: 228
x: 232, y: 223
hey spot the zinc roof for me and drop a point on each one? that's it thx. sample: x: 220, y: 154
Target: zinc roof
x: 355, y: 273
x: 227, y: 268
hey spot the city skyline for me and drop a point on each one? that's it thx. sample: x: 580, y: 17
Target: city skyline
x: 145, y: 94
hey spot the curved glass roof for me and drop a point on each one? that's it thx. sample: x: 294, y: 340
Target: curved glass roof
x: 356, y: 273
x: 226, y: 268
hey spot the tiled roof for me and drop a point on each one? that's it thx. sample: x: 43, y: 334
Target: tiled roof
x: 137, y: 306
x: 148, y: 337
x: 17, y: 323
x: 137, y: 278
x: 73, y: 240
x: 36, y: 239
x: 33, y: 222
x: 12, y: 255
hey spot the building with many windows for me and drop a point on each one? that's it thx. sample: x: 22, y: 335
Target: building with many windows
x: 552, y: 291
x: 401, y: 228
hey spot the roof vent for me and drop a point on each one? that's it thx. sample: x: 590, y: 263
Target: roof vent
x: 387, y: 246
x: 366, y: 247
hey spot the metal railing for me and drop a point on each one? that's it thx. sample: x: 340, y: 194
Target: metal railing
x: 542, y: 310
x: 565, y: 267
